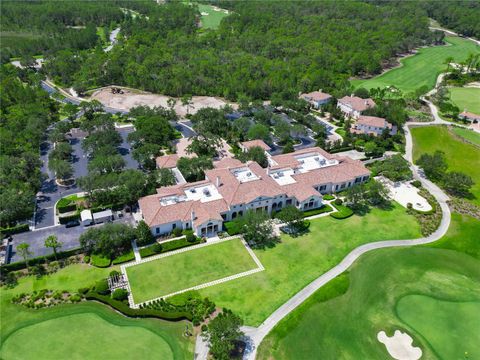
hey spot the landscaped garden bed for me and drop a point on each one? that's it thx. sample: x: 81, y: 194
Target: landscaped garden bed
x: 166, y: 246
x: 342, y: 212
x: 324, y: 209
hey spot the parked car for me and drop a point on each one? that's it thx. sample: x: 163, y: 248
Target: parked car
x: 72, y: 223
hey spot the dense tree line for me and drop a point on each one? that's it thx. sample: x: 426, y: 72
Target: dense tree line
x: 44, y: 26
x: 261, y: 50
x: 460, y: 16
x: 25, y: 113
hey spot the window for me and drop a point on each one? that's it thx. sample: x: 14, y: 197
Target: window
x: 365, y: 178
x: 174, y: 226
x: 357, y: 180
x: 343, y: 186
x: 322, y: 188
x: 336, y: 187
x: 157, y: 230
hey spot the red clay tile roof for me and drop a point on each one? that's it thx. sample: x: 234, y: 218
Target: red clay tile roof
x: 470, y: 115
x: 236, y: 192
x: 316, y: 96
x: 227, y: 162
x: 357, y: 103
x: 167, y: 161
x: 253, y: 143
x: 373, y: 121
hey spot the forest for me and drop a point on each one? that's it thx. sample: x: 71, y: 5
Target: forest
x: 40, y: 27
x: 459, y: 16
x: 261, y: 49
x: 26, y: 112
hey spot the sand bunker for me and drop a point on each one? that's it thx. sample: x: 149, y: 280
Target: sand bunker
x: 399, y: 346
x: 131, y: 98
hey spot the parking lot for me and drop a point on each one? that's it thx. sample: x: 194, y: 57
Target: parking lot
x: 69, y: 237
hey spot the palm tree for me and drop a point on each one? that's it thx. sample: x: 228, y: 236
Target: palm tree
x: 52, y: 242
x: 448, y: 61
x: 24, y: 251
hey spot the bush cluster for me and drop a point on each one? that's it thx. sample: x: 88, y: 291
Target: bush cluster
x: 100, y: 261
x: 342, y: 213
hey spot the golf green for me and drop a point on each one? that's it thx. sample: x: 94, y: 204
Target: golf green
x: 466, y: 98
x: 177, y: 272
x: 431, y: 317
x: 422, y: 68
x: 460, y: 156
x: 211, y: 16
x: 84, y: 336
x: 341, y: 321
x: 86, y: 330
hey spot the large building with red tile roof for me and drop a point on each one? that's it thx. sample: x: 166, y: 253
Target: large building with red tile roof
x: 353, y: 106
x: 372, y: 125
x: 232, y: 188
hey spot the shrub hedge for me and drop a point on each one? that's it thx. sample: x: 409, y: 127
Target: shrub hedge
x: 328, y: 197
x: 129, y: 256
x: 65, y: 219
x: 167, y: 246
x: 138, y: 313
x: 66, y: 208
x: 232, y: 228
x: 41, y: 260
x: 14, y: 230
x: 324, y: 209
x: 120, y: 294
x: 64, y: 202
x: 100, y: 261
x: 343, y: 212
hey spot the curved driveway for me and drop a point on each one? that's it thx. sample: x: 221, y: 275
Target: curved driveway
x: 256, y: 335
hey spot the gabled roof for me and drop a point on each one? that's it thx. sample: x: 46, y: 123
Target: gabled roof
x: 357, y: 103
x: 373, y: 121
x: 254, y: 143
x: 167, y: 161
x: 236, y: 192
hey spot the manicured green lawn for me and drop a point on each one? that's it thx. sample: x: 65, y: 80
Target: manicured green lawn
x: 185, y: 270
x: 345, y: 326
x: 422, y: 68
x: 460, y: 156
x: 81, y: 331
x: 214, y: 17
x: 432, y: 317
x: 469, y: 135
x: 295, y: 262
x: 85, y: 336
x: 466, y: 98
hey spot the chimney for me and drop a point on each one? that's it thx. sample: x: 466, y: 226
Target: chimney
x: 218, y: 181
x: 366, y: 103
x: 193, y: 217
x: 352, y: 95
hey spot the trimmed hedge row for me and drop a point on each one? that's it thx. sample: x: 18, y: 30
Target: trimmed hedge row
x: 129, y: 256
x: 65, y: 219
x: 328, y: 197
x: 100, y: 261
x: 167, y: 246
x: 41, y: 260
x: 347, y: 148
x: 14, y: 229
x: 138, y: 313
x: 343, y: 212
x: 66, y: 208
x: 324, y: 209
